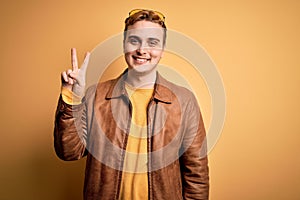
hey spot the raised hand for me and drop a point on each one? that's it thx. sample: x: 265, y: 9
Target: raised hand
x: 74, y: 79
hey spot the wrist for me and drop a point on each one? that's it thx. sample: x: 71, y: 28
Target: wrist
x: 70, y: 97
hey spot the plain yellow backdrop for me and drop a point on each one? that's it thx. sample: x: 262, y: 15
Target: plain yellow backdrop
x: 255, y: 45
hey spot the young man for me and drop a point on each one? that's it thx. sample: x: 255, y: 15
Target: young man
x: 143, y: 136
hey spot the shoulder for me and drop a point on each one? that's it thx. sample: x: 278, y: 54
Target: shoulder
x: 101, y: 88
x: 176, y: 90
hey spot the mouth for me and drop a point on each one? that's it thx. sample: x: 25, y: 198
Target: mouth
x: 140, y: 60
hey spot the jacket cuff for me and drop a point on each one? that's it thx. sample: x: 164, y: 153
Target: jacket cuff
x: 65, y: 107
x: 70, y: 97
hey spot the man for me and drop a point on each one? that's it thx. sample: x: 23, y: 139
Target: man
x: 143, y: 136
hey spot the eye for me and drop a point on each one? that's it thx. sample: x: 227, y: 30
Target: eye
x: 133, y: 41
x: 153, y: 43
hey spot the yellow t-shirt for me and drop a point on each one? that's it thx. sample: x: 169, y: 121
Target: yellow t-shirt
x: 134, y: 184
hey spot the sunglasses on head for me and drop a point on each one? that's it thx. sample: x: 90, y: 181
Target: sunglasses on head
x: 159, y: 14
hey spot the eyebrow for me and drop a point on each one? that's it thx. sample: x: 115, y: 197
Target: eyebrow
x: 154, y: 39
x: 134, y: 37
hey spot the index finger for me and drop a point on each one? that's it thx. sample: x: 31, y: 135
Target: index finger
x: 74, y: 59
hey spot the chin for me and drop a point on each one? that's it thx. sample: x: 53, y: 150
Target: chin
x: 143, y: 69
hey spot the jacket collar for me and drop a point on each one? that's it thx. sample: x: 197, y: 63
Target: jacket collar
x: 162, y: 91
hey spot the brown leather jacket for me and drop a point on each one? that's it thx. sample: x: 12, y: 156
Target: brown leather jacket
x: 98, y: 128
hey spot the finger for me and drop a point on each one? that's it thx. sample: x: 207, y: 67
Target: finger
x: 85, y: 63
x: 74, y: 60
x: 73, y: 75
x: 69, y: 71
x: 64, y: 77
x: 71, y: 81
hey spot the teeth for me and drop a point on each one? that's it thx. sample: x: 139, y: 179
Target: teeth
x: 141, y: 60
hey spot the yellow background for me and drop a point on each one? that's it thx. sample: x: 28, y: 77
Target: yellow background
x: 255, y: 45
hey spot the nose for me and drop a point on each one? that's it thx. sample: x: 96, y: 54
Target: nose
x: 142, y: 49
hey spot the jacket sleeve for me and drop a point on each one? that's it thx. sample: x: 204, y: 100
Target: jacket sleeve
x: 194, y: 162
x: 70, y: 131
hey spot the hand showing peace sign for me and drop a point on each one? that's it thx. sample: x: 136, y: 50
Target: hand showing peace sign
x: 74, y: 79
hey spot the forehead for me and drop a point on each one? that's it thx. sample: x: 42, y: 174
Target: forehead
x: 145, y: 29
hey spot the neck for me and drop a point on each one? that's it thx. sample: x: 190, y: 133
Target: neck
x: 141, y: 80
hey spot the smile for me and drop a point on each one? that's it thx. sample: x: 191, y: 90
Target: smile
x: 140, y: 60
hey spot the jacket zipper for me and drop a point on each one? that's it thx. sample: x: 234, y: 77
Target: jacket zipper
x: 149, y: 148
x: 125, y: 145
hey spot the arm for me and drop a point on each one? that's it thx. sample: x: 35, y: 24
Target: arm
x: 70, y: 131
x: 194, y: 162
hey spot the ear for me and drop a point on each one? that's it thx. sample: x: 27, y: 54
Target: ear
x: 124, y: 46
x: 162, y: 52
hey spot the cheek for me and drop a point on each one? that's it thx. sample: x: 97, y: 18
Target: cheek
x: 126, y: 49
x: 127, y: 56
x: 129, y: 48
x: 157, y: 53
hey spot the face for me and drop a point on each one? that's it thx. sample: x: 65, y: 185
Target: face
x: 143, y: 46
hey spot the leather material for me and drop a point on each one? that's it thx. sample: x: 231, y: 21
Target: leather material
x: 99, y: 128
